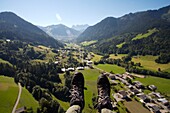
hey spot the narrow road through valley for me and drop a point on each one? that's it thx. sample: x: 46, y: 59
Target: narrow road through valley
x: 19, y: 95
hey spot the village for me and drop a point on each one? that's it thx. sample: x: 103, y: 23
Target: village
x: 131, y: 89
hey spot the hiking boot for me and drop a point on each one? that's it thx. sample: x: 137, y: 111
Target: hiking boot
x: 77, y: 91
x: 103, y: 86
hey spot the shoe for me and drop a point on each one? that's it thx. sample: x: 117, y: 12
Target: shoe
x: 77, y: 91
x: 103, y: 86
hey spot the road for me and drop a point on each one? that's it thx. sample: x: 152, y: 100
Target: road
x: 19, y: 95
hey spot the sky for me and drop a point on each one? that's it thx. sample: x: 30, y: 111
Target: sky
x: 76, y: 12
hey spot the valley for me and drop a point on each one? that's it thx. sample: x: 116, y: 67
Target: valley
x: 132, y: 51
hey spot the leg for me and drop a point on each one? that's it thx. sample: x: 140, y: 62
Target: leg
x: 104, y: 101
x: 77, y: 94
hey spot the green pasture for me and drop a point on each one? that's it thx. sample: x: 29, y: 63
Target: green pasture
x: 109, y: 68
x: 148, y: 62
x: 8, y: 94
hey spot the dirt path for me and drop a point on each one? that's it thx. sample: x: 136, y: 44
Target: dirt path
x: 19, y: 95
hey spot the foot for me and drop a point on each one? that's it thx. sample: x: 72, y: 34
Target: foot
x: 77, y: 91
x: 103, y: 86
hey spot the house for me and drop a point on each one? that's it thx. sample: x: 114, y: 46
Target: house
x: 153, y: 107
x: 117, y: 97
x: 113, y: 82
x: 123, y: 94
x: 134, y: 90
x: 70, y: 69
x: 152, y: 87
x: 157, y: 94
x: 112, y: 76
x: 163, y: 101
x: 119, y: 75
x: 63, y: 69
x: 138, y: 84
x: 80, y: 68
x: 89, y: 63
x: 143, y: 97
x: 21, y: 110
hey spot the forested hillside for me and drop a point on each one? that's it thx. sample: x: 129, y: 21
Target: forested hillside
x: 15, y: 28
x: 143, y: 33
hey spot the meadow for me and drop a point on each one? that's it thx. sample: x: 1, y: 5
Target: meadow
x: 119, y: 56
x: 96, y: 57
x: 135, y: 107
x: 5, y: 62
x: 109, y: 68
x: 87, y: 43
x: 148, y: 62
x: 28, y: 100
x: 8, y: 94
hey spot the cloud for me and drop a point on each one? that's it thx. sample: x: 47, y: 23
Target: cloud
x: 58, y: 17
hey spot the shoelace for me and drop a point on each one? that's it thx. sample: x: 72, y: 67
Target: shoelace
x: 76, y: 93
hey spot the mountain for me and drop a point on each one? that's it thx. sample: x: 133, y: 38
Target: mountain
x: 143, y: 33
x: 61, y: 32
x: 132, y: 22
x: 80, y: 28
x: 15, y: 28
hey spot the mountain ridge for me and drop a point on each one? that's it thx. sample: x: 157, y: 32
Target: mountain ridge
x: 132, y: 22
x: 61, y: 32
x: 15, y: 28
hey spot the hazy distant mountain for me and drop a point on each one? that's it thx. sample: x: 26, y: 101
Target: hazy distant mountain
x: 15, y: 28
x: 80, y: 28
x: 61, y: 32
x: 133, y: 22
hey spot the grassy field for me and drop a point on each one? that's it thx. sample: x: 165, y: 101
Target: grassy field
x: 120, y: 45
x: 87, y: 43
x: 109, y: 68
x: 96, y: 57
x: 148, y: 62
x: 161, y: 83
x: 135, y: 107
x: 47, y: 51
x: 28, y: 100
x: 90, y: 76
x: 119, y: 56
x: 150, y: 32
x: 5, y: 62
x: 8, y: 94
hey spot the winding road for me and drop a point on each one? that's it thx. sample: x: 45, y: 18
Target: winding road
x: 19, y: 95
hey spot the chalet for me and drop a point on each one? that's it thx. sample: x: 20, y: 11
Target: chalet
x: 143, y: 97
x: 117, y: 97
x: 63, y: 69
x: 157, y: 94
x: 153, y: 108
x: 80, y: 68
x: 89, y: 63
x: 21, y: 110
x: 138, y: 84
x: 134, y: 91
x: 123, y: 94
x: 70, y: 69
x: 112, y: 76
x: 113, y: 82
x: 119, y: 75
x: 152, y: 87
x: 163, y: 101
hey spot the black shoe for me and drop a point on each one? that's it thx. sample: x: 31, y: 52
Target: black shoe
x: 77, y: 91
x: 103, y: 86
